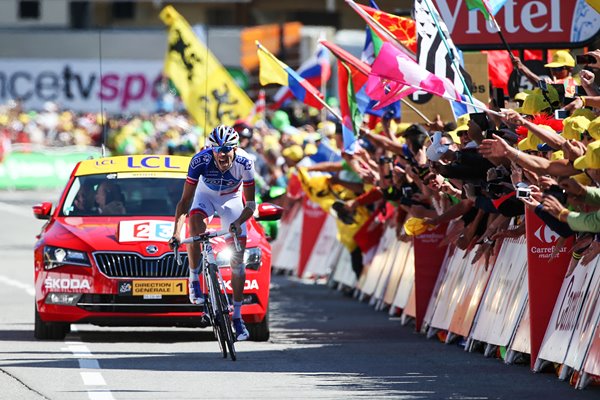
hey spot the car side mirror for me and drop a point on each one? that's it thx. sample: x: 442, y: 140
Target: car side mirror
x: 268, y: 212
x: 43, y: 210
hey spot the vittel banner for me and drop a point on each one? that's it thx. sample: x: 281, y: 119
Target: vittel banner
x: 524, y: 23
x: 117, y: 86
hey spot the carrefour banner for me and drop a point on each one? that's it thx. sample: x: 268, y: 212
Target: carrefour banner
x: 41, y: 169
x: 115, y: 86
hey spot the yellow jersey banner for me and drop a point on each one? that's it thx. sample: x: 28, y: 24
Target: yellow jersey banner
x: 209, y: 93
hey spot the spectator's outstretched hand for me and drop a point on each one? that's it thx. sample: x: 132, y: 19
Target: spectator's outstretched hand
x: 495, y: 147
x: 573, y: 149
x: 587, y: 78
x: 552, y: 205
x: 513, y: 117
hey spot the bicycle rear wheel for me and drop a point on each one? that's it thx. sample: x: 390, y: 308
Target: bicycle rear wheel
x: 223, y: 313
x: 212, y: 307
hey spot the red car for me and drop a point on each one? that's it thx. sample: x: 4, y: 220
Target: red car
x: 115, y: 268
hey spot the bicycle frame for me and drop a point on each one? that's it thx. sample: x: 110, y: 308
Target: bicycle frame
x: 216, y: 303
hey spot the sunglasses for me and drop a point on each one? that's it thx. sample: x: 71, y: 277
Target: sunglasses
x: 558, y: 69
x: 222, y: 149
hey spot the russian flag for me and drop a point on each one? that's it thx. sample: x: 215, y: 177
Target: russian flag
x: 316, y: 71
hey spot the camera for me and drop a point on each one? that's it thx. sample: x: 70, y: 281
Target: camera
x: 407, y: 191
x: 585, y: 59
x: 558, y: 193
x: 523, y: 193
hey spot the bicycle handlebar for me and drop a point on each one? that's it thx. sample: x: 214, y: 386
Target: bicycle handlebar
x: 204, y: 237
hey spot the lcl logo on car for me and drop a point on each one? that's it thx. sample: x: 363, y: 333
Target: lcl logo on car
x: 125, y: 287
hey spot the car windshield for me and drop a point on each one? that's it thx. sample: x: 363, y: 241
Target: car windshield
x: 123, y: 194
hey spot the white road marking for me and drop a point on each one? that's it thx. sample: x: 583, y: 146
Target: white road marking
x: 11, y: 282
x: 89, y: 378
x: 93, y: 378
x: 15, y: 210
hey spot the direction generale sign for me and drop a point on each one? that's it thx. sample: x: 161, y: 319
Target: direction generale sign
x: 524, y: 23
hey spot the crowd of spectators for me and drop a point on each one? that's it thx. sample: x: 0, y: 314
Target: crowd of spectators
x: 481, y: 171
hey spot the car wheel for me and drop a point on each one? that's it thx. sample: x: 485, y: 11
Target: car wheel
x: 50, y: 330
x: 259, y: 332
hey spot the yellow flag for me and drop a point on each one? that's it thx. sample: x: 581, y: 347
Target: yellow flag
x: 271, y: 69
x: 595, y: 4
x: 209, y: 93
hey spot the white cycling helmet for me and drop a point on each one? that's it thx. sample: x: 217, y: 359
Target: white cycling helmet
x: 223, y: 135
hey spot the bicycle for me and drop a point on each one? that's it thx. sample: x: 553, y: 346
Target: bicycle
x: 216, y: 301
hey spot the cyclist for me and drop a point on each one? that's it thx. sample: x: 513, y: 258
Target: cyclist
x: 215, y: 180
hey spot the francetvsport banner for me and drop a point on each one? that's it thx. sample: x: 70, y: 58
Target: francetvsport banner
x: 115, y: 86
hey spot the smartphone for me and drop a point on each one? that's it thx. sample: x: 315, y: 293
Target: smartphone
x: 561, y: 114
x: 557, y: 193
x: 481, y: 119
x: 585, y: 59
x: 568, y: 100
x: 580, y: 91
x: 543, y: 85
x: 499, y: 97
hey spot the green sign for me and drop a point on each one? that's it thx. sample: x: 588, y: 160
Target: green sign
x: 41, y: 169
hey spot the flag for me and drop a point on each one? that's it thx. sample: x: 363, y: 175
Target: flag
x: 372, y: 42
x: 316, y: 70
x: 489, y: 8
x: 272, y: 70
x: 351, y: 115
x: 393, y: 65
x: 189, y: 64
x: 401, y: 28
x: 370, y: 51
x: 436, y: 51
x: 258, y: 112
x: 379, y: 28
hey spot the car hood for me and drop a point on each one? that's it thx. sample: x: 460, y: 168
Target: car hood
x: 95, y: 233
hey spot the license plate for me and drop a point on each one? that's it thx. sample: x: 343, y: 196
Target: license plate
x: 159, y: 287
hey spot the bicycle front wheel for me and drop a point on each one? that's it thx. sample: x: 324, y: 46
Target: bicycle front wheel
x: 212, y: 307
x: 223, y: 317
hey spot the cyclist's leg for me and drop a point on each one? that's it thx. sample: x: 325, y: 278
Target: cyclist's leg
x: 230, y: 209
x: 199, y: 211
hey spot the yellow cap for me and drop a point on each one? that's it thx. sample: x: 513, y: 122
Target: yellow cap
x: 310, y: 149
x: 533, y: 104
x: 326, y: 128
x: 293, y: 152
x: 552, y: 94
x: 594, y: 128
x: 521, y: 96
x: 584, y: 112
x: 561, y: 58
x: 462, y: 124
x: 591, y: 158
x: 574, y: 127
x: 557, y: 155
x: 531, y: 141
x: 584, y: 179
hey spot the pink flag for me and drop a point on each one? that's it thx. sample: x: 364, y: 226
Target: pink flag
x: 385, y: 91
x: 394, y: 65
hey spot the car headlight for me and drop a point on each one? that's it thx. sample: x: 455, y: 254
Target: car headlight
x: 252, y: 258
x: 58, y: 256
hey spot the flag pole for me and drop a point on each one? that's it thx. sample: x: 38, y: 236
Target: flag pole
x: 382, y: 28
x: 280, y: 63
x: 419, y: 113
x: 450, y: 53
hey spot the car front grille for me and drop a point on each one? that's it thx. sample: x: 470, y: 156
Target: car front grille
x: 133, y: 265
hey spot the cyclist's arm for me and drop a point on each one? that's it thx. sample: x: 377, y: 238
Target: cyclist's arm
x: 183, y: 207
x: 248, y: 210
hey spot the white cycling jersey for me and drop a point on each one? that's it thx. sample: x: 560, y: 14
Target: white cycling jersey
x: 217, y: 191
